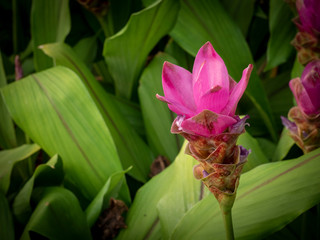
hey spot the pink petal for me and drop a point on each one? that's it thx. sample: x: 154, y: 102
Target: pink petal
x: 232, y: 84
x: 177, y: 87
x: 176, y: 107
x: 310, y: 80
x: 237, y: 92
x: 209, y: 73
x: 302, y: 97
x: 207, y: 124
x: 214, y: 100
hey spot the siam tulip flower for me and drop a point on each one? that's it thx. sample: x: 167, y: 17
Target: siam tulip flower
x: 306, y: 116
x: 307, y: 40
x: 205, y: 102
x: 307, y: 88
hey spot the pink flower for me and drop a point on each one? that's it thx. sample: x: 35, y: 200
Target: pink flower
x: 306, y: 89
x: 206, y: 99
x: 309, y: 16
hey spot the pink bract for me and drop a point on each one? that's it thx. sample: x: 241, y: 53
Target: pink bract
x: 306, y: 89
x: 206, y: 99
x: 309, y: 16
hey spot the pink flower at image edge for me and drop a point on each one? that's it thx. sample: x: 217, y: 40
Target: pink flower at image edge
x: 206, y: 99
x: 306, y: 89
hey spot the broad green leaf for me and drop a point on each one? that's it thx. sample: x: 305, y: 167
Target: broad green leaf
x: 50, y: 22
x: 131, y: 148
x: 282, y: 32
x: 101, y: 69
x: 257, y: 156
x: 269, y: 197
x: 280, y: 96
x: 47, y: 174
x: 202, y: 21
x: 54, y: 108
x: 284, y: 145
x: 156, y: 114
x: 127, y: 51
x: 131, y: 112
x: 176, y: 188
x: 9, y: 157
x: 101, y: 201
x: 241, y: 12
x: 117, y: 15
x: 6, y: 222
x: 58, y: 215
x: 86, y: 49
x: 268, y: 147
x: 7, y: 132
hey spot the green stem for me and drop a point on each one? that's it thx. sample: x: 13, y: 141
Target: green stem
x: 227, y: 219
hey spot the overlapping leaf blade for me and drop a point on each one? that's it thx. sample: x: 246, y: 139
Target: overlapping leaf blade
x: 202, y: 21
x: 100, y: 202
x: 282, y: 32
x: 176, y: 182
x: 257, y: 156
x: 7, y: 132
x: 241, y: 12
x: 9, y: 157
x: 58, y: 215
x: 269, y: 197
x: 284, y: 145
x: 131, y: 148
x: 52, y: 107
x: 157, y: 117
x: 50, y: 22
x: 6, y: 221
x: 48, y: 174
x: 127, y: 51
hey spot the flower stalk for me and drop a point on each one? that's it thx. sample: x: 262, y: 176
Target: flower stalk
x: 227, y: 219
x: 305, y: 125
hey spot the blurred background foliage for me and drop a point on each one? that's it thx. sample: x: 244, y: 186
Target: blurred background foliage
x: 82, y: 135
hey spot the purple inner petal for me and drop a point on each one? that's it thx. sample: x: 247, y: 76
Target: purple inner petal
x: 289, y: 125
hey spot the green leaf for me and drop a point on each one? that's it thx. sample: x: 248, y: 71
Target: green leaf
x: 101, y: 201
x: 7, y: 132
x: 9, y: 157
x: 269, y: 197
x: 183, y: 58
x: 157, y: 117
x: 127, y: 51
x: 282, y: 32
x: 58, y: 215
x: 268, y: 147
x: 131, y: 112
x: 54, y: 108
x: 47, y: 174
x: 284, y: 145
x: 50, y: 22
x: 241, y: 12
x: 202, y: 21
x: 257, y: 156
x: 6, y: 223
x: 163, y: 200
x: 297, y: 69
x: 131, y: 148
x: 86, y: 49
